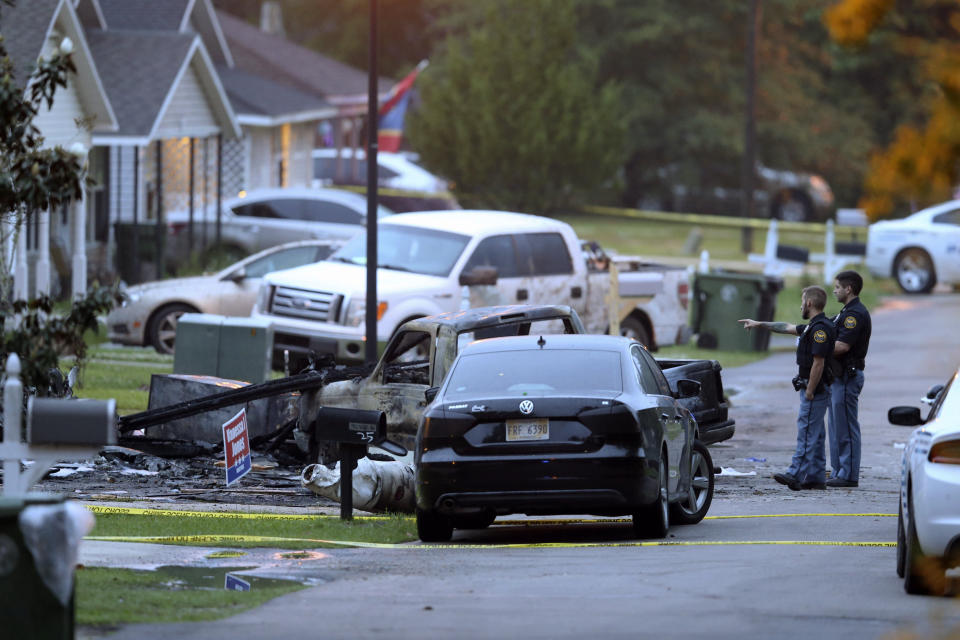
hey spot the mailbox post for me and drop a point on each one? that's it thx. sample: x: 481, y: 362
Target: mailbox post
x: 38, y: 532
x: 353, y: 430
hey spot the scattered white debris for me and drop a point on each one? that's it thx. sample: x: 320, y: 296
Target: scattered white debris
x: 899, y: 445
x: 63, y: 472
x: 127, y: 471
x: 730, y: 471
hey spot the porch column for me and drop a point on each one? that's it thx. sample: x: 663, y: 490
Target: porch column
x: 21, y: 288
x: 79, y: 275
x: 43, y: 261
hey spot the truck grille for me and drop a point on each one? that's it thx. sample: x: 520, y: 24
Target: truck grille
x: 320, y: 306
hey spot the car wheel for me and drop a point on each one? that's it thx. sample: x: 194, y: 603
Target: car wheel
x: 162, y: 330
x: 480, y: 520
x: 923, y: 575
x: 433, y: 527
x: 901, y: 543
x: 632, y: 328
x: 914, y: 271
x: 791, y: 207
x: 653, y: 520
x: 695, y: 505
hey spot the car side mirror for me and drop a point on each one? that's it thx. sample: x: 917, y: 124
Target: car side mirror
x: 430, y: 394
x: 479, y: 275
x: 238, y: 276
x: 905, y: 416
x: 688, y: 388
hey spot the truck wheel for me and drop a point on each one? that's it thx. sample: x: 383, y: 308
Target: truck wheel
x: 696, y: 503
x: 433, y: 527
x: 793, y: 208
x: 914, y: 271
x: 653, y: 520
x: 162, y: 329
x: 631, y: 327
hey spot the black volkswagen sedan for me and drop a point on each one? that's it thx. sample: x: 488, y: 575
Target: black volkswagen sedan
x: 559, y: 424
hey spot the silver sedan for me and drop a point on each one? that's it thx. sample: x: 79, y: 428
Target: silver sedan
x: 149, y: 315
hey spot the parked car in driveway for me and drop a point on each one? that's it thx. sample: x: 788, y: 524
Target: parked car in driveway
x: 715, y: 189
x: 928, y: 527
x: 559, y: 424
x: 149, y: 314
x: 918, y: 251
x: 404, y: 184
x: 264, y: 218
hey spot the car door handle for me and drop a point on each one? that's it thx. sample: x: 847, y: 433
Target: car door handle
x: 576, y: 292
x: 522, y: 294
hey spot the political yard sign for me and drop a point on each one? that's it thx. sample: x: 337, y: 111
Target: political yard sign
x: 236, y: 447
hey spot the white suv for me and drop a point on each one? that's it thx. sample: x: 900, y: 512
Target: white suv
x: 394, y: 170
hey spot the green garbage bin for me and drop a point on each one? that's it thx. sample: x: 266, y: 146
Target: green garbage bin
x: 721, y: 298
x: 29, y: 607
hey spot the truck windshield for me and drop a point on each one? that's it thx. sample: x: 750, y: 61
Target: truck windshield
x: 407, y: 249
x: 540, y: 372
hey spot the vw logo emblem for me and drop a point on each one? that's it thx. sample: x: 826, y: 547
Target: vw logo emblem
x: 526, y: 407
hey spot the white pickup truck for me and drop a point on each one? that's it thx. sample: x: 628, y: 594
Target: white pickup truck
x: 436, y: 262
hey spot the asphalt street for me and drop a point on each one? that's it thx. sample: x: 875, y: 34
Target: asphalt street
x: 768, y: 562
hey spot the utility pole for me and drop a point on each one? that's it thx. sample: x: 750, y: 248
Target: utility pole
x: 749, y: 130
x: 370, y: 348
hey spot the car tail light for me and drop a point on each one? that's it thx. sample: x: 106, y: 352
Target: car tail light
x: 683, y: 292
x: 947, y: 452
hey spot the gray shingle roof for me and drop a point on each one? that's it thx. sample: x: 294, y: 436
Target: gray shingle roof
x: 269, y: 56
x: 254, y: 95
x: 153, y: 15
x: 24, y: 29
x: 138, y: 68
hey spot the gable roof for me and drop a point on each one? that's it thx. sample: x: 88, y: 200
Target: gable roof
x: 152, y: 15
x: 26, y: 28
x: 270, y: 56
x: 142, y: 70
x: 261, y: 102
x: 169, y: 15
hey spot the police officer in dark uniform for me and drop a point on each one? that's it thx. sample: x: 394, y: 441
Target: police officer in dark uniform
x: 849, y: 355
x: 814, y: 348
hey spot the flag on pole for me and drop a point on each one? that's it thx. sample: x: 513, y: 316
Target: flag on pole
x: 393, y: 110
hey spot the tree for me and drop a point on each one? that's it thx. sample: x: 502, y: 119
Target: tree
x: 682, y: 74
x: 340, y: 29
x: 33, y: 178
x: 918, y: 165
x: 511, y: 109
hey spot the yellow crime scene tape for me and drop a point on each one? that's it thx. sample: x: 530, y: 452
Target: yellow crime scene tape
x: 712, y: 220
x: 228, y: 539
x: 233, y: 515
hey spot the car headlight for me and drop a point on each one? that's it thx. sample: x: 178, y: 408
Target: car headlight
x: 263, y: 298
x: 130, y: 297
x: 357, y: 311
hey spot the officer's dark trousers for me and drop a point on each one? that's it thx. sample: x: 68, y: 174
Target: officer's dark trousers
x: 845, y: 426
x: 809, y: 460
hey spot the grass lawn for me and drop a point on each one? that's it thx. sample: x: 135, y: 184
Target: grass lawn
x: 304, y: 532
x: 108, y: 597
x: 178, y: 594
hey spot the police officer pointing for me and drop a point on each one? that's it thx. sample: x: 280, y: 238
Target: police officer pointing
x: 853, y: 338
x: 814, y: 348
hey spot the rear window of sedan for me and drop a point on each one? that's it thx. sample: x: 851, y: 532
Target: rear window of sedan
x: 535, y: 372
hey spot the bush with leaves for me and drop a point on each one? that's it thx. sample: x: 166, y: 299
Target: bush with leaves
x: 41, y: 337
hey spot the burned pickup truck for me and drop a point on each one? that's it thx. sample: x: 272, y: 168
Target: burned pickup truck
x: 417, y: 359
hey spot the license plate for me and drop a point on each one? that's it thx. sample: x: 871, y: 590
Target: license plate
x: 533, y: 429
